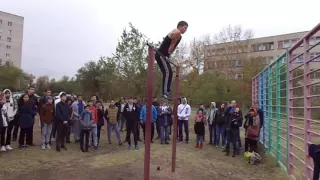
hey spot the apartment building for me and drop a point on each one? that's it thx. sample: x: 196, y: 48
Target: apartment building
x: 11, y: 38
x: 218, y: 59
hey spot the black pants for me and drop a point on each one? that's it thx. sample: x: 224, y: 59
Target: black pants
x: 232, y: 136
x: 68, y: 134
x: 15, y: 130
x: 62, y: 130
x: 30, y: 138
x: 210, y: 133
x: 9, y: 132
x: 157, y: 128
x: 98, y: 132
x: 253, y: 144
x: 54, y: 131
x: 84, y: 139
x: 166, y: 70
x: 144, y: 130
x: 24, y: 135
x: 138, y: 131
x: 3, y: 136
x: 132, y: 128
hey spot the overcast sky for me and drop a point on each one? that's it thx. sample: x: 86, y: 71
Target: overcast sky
x: 62, y: 35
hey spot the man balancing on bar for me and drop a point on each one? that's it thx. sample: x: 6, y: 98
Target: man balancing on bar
x: 167, y: 47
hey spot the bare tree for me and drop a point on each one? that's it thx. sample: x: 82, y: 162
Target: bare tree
x: 231, y: 45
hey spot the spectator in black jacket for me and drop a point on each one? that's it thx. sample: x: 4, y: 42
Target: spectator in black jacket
x: 233, y: 124
x: 33, y: 100
x: 131, y: 113
x: 62, y: 118
x: 100, y: 113
x: 221, y: 126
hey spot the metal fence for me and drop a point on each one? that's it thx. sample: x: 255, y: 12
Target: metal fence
x: 288, y: 92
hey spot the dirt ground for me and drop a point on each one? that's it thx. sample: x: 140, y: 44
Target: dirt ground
x: 113, y: 162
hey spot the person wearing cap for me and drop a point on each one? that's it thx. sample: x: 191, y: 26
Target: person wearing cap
x: 62, y: 118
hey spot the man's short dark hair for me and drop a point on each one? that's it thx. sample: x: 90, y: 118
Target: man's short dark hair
x: 182, y: 23
x: 46, y: 90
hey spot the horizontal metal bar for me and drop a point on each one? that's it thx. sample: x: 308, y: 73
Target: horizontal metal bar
x: 296, y: 67
x: 306, y: 36
x: 294, y: 98
x: 314, y: 133
x: 302, y: 161
x: 311, y: 60
x: 292, y: 79
x: 314, y: 121
x: 297, y: 137
x: 296, y: 87
x: 296, y: 57
x: 160, y: 54
x: 313, y: 107
x: 293, y: 117
x: 312, y: 71
x: 302, y: 129
x: 297, y: 147
x: 313, y: 46
x: 296, y: 107
x: 313, y: 83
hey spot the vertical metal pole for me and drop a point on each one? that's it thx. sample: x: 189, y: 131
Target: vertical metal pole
x: 149, y: 114
x: 175, y: 121
x: 264, y: 108
x: 307, y: 109
x: 290, y: 113
x: 270, y: 105
x: 278, y: 98
x: 288, y: 86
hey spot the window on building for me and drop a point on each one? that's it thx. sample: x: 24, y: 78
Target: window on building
x: 7, y: 55
x: 8, y: 47
x: 293, y: 41
x: 238, y: 76
x: 235, y: 63
x: 315, y: 75
x: 315, y: 89
x: 312, y: 55
x: 8, y: 39
x: 9, y: 32
x: 9, y: 23
x: 267, y: 60
x: 299, y: 59
x: 280, y: 44
x: 286, y: 44
x: 262, y: 47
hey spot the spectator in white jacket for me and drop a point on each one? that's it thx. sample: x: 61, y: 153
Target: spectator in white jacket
x: 184, y: 111
x: 11, y: 107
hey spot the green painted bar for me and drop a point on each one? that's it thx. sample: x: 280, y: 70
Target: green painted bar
x: 270, y: 78
x: 278, y: 116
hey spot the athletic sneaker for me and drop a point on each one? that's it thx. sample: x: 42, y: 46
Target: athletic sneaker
x: 167, y: 96
x: 48, y: 146
x: 129, y: 147
x: 3, y: 149
x: 136, y: 147
x: 9, y: 148
x: 43, y: 147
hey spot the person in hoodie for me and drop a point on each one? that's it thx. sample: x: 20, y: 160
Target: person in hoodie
x: 131, y: 113
x: 86, y: 123
x: 252, y: 130
x: 44, y: 99
x: 212, y: 124
x: 110, y: 115
x: 233, y: 124
x: 1, y: 106
x: 100, y: 115
x: 220, y: 126
x: 143, y: 119
x: 12, y: 108
x: 4, y: 117
x: 94, y: 129
x: 77, y: 108
x: 184, y: 111
x: 165, y: 119
x: 47, y: 121
x: 62, y: 115
x: 27, y: 111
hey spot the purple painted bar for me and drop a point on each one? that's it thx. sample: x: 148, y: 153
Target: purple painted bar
x: 290, y: 114
x: 306, y: 36
x: 307, y: 104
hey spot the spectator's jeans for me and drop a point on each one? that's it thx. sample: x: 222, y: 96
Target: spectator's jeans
x: 220, y: 130
x: 199, y: 139
x: 233, y: 136
x: 164, y: 133
x: 94, y: 134
x: 122, y: 122
x: 184, y: 123
x: 213, y: 134
x: 116, y: 130
x: 45, y: 133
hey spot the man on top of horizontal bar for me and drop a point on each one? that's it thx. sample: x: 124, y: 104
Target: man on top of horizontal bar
x: 167, y: 47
